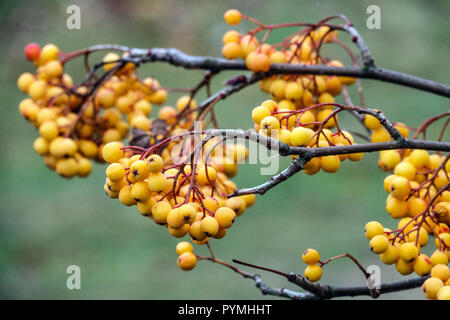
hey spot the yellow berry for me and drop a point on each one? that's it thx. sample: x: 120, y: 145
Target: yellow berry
x: 157, y: 182
x: 66, y: 167
x: 313, y: 272
x: 379, y: 244
x: 155, y: 163
x: 112, y: 152
x: 419, y: 158
x: 187, y: 261
x: 404, y: 268
x: 439, y: 257
x: 115, y: 172
x: 396, y: 208
x: 140, y: 191
x: 259, y: 113
x: 49, y: 52
x: 183, y: 247
x: 225, y: 217
x: 160, y: 211
x: 301, y: 137
x: 139, y: 170
x: 405, y: 169
x: 49, y: 130
x: 175, y: 219
x: 371, y: 122
x: 391, y: 255
x: 372, y: 229
x: 330, y: 163
x: 400, y: 187
x: 41, y: 146
x: 126, y: 197
x: 431, y: 287
x: 408, y: 252
x: 422, y: 265
x: 53, y: 69
x: 380, y: 135
x: 231, y: 36
x: 233, y: 17
x: 209, y: 226
x: 24, y: 81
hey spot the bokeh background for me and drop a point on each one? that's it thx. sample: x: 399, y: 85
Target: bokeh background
x: 48, y: 223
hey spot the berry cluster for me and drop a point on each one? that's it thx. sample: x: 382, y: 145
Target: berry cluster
x: 183, y: 197
x: 305, y: 128
x: 291, y: 91
x: 76, y: 121
x: 419, y: 197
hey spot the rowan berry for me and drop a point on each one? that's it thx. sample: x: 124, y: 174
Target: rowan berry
x: 41, y: 146
x: 391, y: 255
x: 396, y: 208
x: 37, y: 89
x: 237, y: 204
x: 441, y: 271
x: 209, y: 226
x: 439, y: 257
x: 126, y: 197
x: 179, y: 232
x: 408, y: 252
x: 49, y: 52
x: 419, y: 158
x: 187, y: 261
x: 225, y: 216
x: 175, y: 219
x: 404, y: 268
x: 400, y: 188
x: 112, y: 152
x: 231, y: 36
x: 196, y: 232
x: 259, y: 113
x: 233, y: 17
x: 371, y: 122
x: 183, y: 247
x: 139, y: 170
x: 405, y: 169
x: 380, y: 135
x: 372, y: 229
x: 330, y: 163
x: 301, y: 137
x: 187, y: 212
x: 160, y: 211
x: 145, y: 208
x: 84, y: 167
x: 32, y: 51
x: 431, y: 287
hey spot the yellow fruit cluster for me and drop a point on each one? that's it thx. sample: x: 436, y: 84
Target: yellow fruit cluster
x: 75, y: 122
x: 185, y: 198
x: 313, y: 271
x: 303, y: 129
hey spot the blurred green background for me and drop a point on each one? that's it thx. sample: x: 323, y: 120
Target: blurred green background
x: 48, y: 223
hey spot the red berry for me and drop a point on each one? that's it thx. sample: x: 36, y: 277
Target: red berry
x: 32, y: 51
